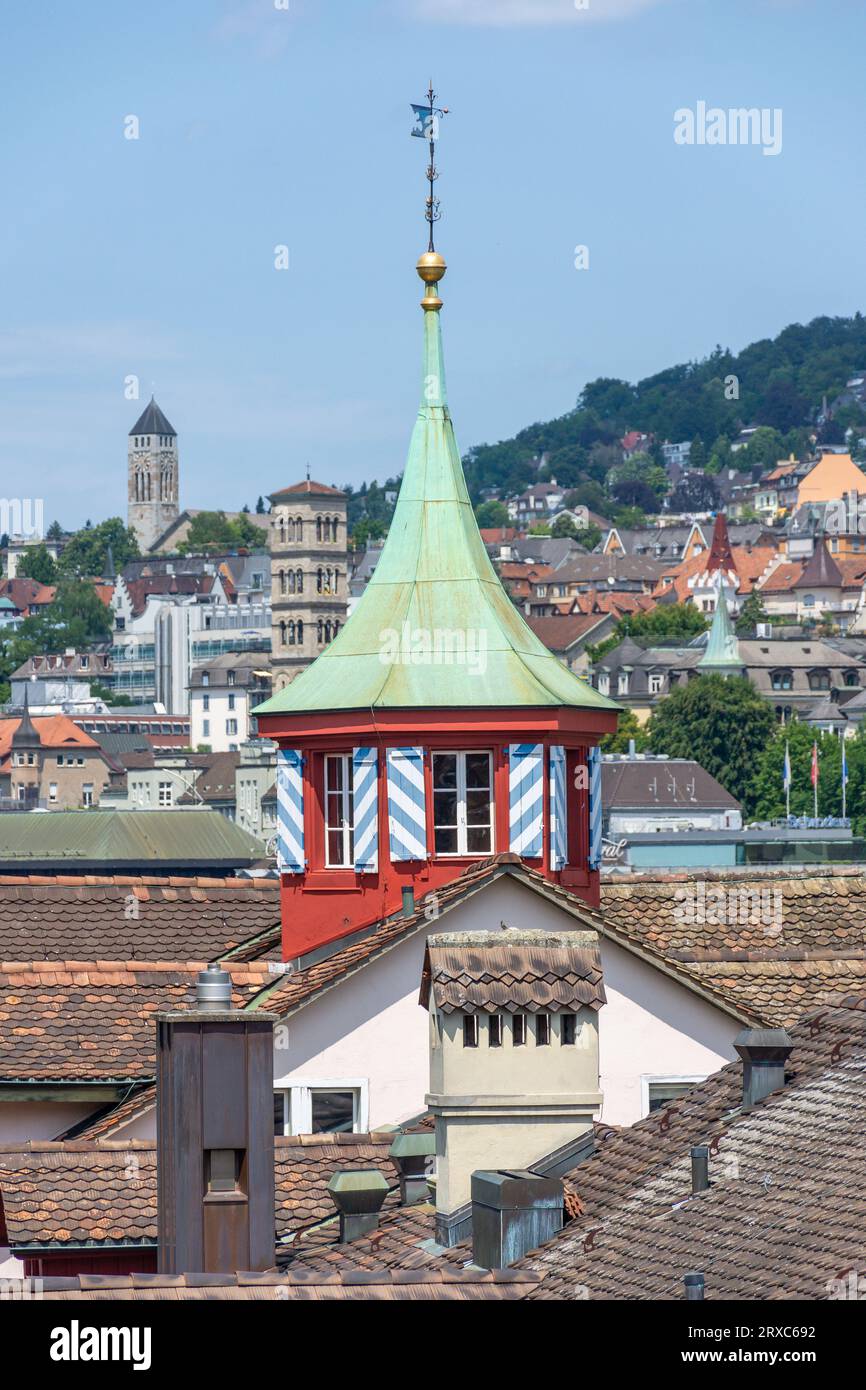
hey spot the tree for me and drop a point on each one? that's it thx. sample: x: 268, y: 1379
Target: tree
x: 751, y: 613
x: 212, y: 532
x: 665, y: 622
x: 365, y: 531
x: 719, y: 721
x: 589, y: 536
x: 696, y: 492
x: 588, y: 494
x: 55, y: 531
x: 491, y: 515
x: 260, y: 506
x: 86, y: 554
x: 540, y: 528
x: 38, y: 563
x: 627, y: 728
x: 633, y: 493
x: 697, y: 453
x: 769, y: 793
x: 564, y: 526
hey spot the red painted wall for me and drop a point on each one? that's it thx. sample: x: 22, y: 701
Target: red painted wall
x: 324, y: 904
x: 68, y: 1263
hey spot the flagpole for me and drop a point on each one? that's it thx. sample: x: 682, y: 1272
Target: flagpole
x: 844, y: 779
x: 787, y: 782
x: 815, y: 774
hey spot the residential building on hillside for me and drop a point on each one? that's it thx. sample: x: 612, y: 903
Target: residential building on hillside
x: 668, y: 543
x: 50, y: 764
x: 221, y: 694
x: 256, y: 790
x: 537, y: 503
x: 309, y: 575
x: 792, y: 675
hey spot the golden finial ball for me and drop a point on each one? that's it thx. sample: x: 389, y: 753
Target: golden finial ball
x: 431, y: 267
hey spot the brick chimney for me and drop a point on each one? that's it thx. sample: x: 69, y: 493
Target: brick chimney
x: 513, y: 1054
x: 215, y: 1134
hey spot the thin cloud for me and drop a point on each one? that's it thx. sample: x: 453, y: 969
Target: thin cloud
x: 512, y: 14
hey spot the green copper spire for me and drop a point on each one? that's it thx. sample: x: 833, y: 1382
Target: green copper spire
x: 722, y: 655
x: 434, y: 627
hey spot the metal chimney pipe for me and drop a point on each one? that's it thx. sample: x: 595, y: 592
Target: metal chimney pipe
x: 213, y: 989
x: 700, y: 1168
x: 694, y: 1287
x: 764, y: 1052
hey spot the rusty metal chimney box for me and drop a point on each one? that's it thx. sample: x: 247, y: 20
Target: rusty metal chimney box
x: 215, y: 1141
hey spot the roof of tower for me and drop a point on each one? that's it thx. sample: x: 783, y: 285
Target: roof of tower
x: 26, y: 736
x: 720, y: 556
x: 308, y: 485
x: 152, y: 421
x: 434, y: 626
x: 723, y: 650
x: 821, y: 571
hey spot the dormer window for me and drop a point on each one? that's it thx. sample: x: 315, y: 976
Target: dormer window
x: 463, y: 803
x: 783, y: 680
x: 339, y: 833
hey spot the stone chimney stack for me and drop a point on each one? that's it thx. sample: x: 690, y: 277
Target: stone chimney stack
x: 513, y: 1054
x: 215, y: 1134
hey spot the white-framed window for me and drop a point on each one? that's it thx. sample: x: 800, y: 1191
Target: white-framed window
x: 52, y: 791
x: 165, y: 793
x: 463, y: 803
x: 231, y: 726
x: 87, y: 793
x: 339, y: 830
x: 658, y: 1091
x: 305, y: 1106
x: 655, y: 683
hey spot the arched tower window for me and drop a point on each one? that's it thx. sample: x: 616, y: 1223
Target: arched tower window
x: 282, y: 634
x: 318, y: 528
x: 299, y: 528
x: 299, y: 581
x: 291, y: 634
x: 300, y: 631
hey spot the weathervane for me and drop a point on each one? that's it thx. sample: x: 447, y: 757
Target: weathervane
x: 427, y: 128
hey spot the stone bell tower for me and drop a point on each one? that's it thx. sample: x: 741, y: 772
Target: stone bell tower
x: 152, y: 476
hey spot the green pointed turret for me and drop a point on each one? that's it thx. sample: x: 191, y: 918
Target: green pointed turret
x: 722, y: 655
x: 434, y: 627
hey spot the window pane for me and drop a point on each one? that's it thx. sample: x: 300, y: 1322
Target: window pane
x: 334, y: 771
x: 567, y: 1029
x: 444, y: 769
x: 279, y: 1112
x: 495, y: 1034
x: 479, y: 840
x: 542, y: 1030
x: 333, y: 1112
x: 446, y: 841
x: 478, y: 808
x: 519, y: 1030
x: 335, y: 847
x: 444, y: 808
x: 477, y: 769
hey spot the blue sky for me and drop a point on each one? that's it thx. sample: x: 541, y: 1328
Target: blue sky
x: 260, y: 126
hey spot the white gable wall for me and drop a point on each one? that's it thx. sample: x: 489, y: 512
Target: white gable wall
x: 371, y: 1032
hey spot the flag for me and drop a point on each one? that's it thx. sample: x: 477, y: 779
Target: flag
x: 786, y: 773
x: 426, y: 125
x: 815, y: 764
x: 844, y: 764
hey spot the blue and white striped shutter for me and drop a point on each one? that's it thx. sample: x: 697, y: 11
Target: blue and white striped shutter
x: 526, y: 799
x: 365, y: 809
x: 593, y: 760
x: 290, y: 811
x: 558, y: 820
x: 407, y: 810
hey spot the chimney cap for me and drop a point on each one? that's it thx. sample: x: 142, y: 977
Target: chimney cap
x: 413, y: 1145
x: 358, y: 1193
x: 764, y: 1045
x: 213, y: 989
x: 516, y: 1189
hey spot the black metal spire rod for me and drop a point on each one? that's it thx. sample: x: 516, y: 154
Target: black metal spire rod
x: 433, y: 213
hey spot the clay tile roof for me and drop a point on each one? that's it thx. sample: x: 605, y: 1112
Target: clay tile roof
x: 78, y: 1020
x: 783, y: 1217
x: 307, y: 486
x: 439, y: 1285
x: 138, y: 918
x: 512, y: 970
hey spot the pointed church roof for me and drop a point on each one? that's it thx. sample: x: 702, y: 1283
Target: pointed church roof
x: 25, y: 736
x: 720, y: 556
x: 434, y: 593
x: 821, y: 571
x: 722, y: 654
x: 152, y: 421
